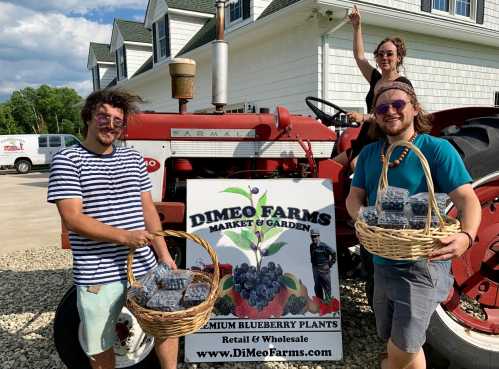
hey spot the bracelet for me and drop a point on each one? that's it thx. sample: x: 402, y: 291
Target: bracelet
x: 470, y: 239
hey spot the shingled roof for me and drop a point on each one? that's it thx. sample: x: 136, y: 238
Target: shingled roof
x: 134, y: 31
x: 275, y: 6
x: 202, y: 6
x: 102, y: 53
x: 208, y: 32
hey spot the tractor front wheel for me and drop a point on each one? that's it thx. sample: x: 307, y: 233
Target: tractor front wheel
x: 133, y: 349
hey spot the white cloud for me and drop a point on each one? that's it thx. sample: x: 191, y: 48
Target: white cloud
x: 37, y: 48
x: 77, y: 6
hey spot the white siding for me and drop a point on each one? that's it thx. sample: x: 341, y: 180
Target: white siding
x: 136, y: 56
x: 491, y: 19
x: 107, y: 74
x: 182, y: 29
x: 258, y: 7
x: 445, y: 73
x: 267, y: 73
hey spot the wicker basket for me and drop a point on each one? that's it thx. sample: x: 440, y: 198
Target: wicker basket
x: 162, y: 324
x: 406, y: 244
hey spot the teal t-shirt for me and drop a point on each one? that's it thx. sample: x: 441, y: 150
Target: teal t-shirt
x: 447, y: 170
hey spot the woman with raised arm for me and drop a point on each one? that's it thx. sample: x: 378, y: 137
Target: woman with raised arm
x: 389, y: 55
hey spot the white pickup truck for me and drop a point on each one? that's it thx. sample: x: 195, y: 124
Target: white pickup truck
x: 25, y: 151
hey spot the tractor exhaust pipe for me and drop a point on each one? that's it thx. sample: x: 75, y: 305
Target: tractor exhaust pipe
x: 220, y: 61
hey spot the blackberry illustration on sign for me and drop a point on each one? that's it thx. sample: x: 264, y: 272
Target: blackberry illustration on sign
x: 279, y: 291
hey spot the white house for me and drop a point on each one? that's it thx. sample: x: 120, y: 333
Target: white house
x: 281, y: 51
x: 102, y: 64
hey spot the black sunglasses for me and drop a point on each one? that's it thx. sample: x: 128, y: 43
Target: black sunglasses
x: 398, y: 105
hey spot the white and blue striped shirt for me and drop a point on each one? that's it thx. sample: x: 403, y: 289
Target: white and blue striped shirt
x: 110, y: 188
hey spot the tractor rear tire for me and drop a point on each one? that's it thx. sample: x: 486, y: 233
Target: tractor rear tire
x: 66, y: 339
x: 478, y: 144
x: 450, y: 344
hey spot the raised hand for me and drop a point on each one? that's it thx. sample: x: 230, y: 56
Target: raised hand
x: 354, y: 17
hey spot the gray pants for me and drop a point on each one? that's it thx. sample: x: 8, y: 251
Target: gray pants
x: 322, y: 281
x: 405, y: 297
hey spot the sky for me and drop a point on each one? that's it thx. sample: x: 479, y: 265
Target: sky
x: 46, y: 41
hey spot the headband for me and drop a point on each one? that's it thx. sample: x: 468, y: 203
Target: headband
x: 394, y: 85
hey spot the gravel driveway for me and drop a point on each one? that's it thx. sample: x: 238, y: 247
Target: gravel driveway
x: 35, y: 273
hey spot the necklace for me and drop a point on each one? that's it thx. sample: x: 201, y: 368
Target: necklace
x: 403, y: 154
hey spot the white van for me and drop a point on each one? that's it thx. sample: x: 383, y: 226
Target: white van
x: 25, y: 151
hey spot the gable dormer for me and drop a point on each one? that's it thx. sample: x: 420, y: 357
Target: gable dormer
x: 241, y: 12
x: 173, y: 23
x: 102, y: 64
x: 131, y: 44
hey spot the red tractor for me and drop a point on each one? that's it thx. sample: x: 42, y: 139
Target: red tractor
x: 464, y: 332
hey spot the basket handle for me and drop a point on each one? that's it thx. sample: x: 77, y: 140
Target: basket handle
x: 180, y: 234
x: 383, y: 180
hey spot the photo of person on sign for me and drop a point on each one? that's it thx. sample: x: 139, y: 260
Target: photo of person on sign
x: 322, y: 258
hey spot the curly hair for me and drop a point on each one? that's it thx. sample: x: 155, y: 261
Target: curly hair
x: 399, y: 44
x: 115, y: 97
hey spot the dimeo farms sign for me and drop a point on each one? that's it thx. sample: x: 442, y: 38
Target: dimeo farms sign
x: 279, y: 292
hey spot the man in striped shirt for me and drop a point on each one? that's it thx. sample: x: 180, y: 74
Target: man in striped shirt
x: 103, y: 194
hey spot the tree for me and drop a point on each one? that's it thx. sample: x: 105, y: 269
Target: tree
x: 7, y: 122
x: 45, y: 110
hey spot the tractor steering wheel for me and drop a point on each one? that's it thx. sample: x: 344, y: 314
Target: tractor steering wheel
x: 326, y: 119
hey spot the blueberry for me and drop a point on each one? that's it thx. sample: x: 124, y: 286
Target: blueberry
x: 278, y: 271
x: 264, y: 252
x: 255, y: 190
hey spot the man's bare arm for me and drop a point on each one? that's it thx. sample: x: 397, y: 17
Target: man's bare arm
x: 355, y: 200
x: 71, y: 213
x: 470, y: 215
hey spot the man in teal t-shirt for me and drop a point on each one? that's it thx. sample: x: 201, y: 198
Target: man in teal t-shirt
x: 407, y: 293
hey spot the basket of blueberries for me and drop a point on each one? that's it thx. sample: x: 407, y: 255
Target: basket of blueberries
x: 403, y: 227
x: 173, y: 303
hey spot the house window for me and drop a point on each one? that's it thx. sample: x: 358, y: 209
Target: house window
x: 462, y: 8
x: 162, y: 39
x: 96, y: 77
x: 236, y: 10
x: 121, y: 62
x: 442, y: 5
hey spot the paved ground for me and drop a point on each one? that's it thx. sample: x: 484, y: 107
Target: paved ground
x: 27, y: 220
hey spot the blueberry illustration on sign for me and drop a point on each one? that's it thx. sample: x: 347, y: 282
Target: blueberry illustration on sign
x: 261, y: 290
